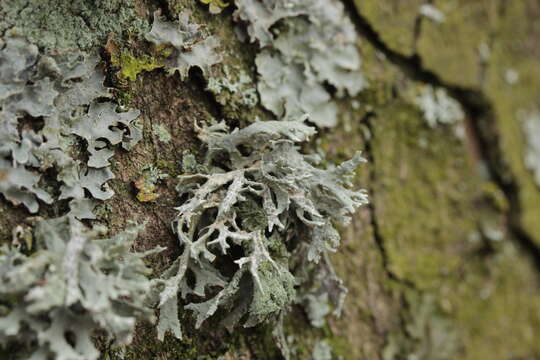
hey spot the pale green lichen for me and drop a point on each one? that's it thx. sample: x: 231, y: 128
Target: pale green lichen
x: 322, y: 351
x: 190, y: 44
x: 162, y: 133
x: 70, y: 25
x: 235, y: 88
x: 189, y: 163
x: 62, y: 91
x: 75, y: 283
x: 317, y: 47
x: 428, y: 335
x: 262, y: 166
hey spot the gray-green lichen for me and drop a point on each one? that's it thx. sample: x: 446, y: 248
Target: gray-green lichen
x: 322, y: 351
x: 428, y: 335
x: 258, y: 168
x: 235, y: 88
x: 162, y: 133
x: 258, y: 216
x: 191, y: 45
x: 75, y: 283
x: 66, y: 24
x: 316, y: 47
x: 55, y: 97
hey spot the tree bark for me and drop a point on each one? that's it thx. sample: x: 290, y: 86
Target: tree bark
x: 444, y: 262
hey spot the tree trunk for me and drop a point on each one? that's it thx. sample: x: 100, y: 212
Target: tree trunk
x: 442, y: 263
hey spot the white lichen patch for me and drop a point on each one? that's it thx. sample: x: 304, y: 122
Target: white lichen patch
x: 438, y: 107
x: 322, y: 351
x: 511, y: 76
x: 433, y: 13
x: 531, y: 131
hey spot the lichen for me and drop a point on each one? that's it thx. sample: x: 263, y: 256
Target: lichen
x: 322, y: 351
x: 146, y: 183
x: 431, y: 12
x: 70, y: 25
x: 162, y: 133
x: 438, y: 107
x: 131, y: 66
x: 215, y: 6
x: 258, y: 215
x: 429, y: 333
x: 531, y: 130
x: 234, y: 88
x: 62, y: 91
x: 75, y: 283
x: 316, y: 48
x: 263, y: 167
x: 191, y: 46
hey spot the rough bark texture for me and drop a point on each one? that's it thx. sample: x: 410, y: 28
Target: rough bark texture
x: 427, y: 278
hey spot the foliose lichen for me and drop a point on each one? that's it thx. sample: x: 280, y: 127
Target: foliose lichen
x: 45, y: 100
x: 315, y: 47
x: 191, y: 45
x: 75, y: 283
x: 258, y: 168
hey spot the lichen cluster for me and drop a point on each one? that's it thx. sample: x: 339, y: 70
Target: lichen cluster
x: 71, y: 24
x: 315, y: 46
x: 438, y: 107
x: 74, y: 283
x: 249, y: 207
x: 256, y: 220
x: 191, y: 45
x: 47, y: 102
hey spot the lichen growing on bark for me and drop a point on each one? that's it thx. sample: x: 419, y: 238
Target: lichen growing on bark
x: 316, y: 47
x: 62, y: 91
x: 75, y: 282
x: 531, y: 129
x: 70, y: 25
x: 256, y: 195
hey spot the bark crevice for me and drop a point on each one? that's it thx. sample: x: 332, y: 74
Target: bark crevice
x: 377, y: 235
x: 481, y: 120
